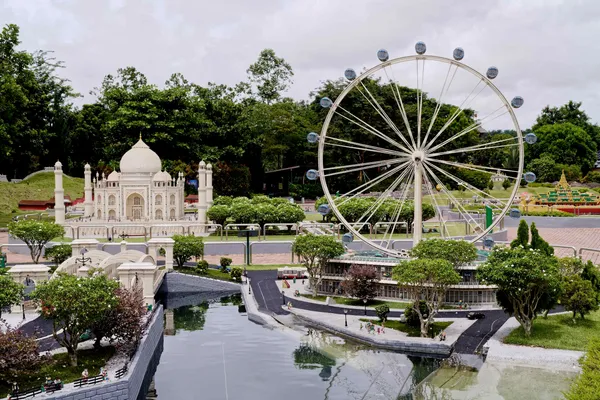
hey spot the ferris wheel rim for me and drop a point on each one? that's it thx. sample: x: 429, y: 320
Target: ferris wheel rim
x: 380, y: 66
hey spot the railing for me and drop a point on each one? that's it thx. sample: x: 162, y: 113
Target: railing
x: 164, y: 227
x: 121, y: 372
x: 230, y: 244
x: 292, y: 226
x: 594, y: 258
x: 89, y: 381
x: 271, y: 241
x: 247, y: 226
x: 218, y: 228
x: 26, y: 394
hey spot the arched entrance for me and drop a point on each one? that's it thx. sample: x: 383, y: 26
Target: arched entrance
x: 135, y: 207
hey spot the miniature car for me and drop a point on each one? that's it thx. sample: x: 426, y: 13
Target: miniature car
x: 475, y: 315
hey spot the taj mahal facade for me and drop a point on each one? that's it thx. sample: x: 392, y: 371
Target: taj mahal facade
x: 139, y: 193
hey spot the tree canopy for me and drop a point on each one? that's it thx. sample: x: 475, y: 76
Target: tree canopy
x: 314, y: 252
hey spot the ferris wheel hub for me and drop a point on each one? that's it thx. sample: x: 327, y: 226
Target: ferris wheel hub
x: 418, y: 155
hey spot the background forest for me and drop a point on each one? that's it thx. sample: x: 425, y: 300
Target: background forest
x: 243, y: 130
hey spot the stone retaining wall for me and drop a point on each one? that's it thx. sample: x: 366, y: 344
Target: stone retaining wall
x: 252, y: 308
x: 433, y: 348
x: 129, y: 386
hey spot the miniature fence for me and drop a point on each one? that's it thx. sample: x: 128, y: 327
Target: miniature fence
x: 51, y: 388
x: 89, y: 381
x: 121, y: 372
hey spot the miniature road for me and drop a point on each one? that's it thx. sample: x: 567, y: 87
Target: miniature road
x: 269, y: 299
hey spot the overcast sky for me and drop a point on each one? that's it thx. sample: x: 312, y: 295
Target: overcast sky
x: 547, y: 51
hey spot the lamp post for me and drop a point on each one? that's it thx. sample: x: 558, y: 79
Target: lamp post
x: 365, y: 301
x: 83, y: 258
x: 28, y: 281
x: 283, y: 297
x: 346, y: 317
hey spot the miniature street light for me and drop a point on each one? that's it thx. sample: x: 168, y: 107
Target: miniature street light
x: 346, y: 317
x: 365, y: 301
x: 283, y: 296
x: 83, y: 258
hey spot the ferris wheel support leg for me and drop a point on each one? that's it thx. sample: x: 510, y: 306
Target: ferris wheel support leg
x: 418, y: 218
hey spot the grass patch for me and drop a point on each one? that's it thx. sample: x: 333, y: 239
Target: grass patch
x: 411, y: 331
x: 357, y: 302
x: 38, y: 187
x: 91, y: 359
x: 558, y: 332
x: 210, y: 273
x: 267, y: 267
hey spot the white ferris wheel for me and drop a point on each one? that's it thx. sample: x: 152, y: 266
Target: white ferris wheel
x: 412, y: 151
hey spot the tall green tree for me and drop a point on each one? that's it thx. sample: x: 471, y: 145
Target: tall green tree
x: 11, y: 292
x: 427, y: 280
x: 527, y: 281
x: 35, y: 234
x: 457, y: 252
x: 565, y: 143
x: 35, y: 110
x: 74, y: 304
x: 271, y: 75
x: 572, y: 113
x: 314, y: 252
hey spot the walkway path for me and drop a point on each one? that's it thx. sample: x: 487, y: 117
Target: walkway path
x: 270, y: 300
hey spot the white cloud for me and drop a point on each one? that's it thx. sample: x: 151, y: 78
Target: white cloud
x: 546, y: 51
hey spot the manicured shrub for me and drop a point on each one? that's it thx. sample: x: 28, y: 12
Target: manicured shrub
x: 236, y: 274
x: 202, y: 266
x: 382, y: 312
x: 225, y: 262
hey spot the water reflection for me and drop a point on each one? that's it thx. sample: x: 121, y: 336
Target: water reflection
x: 214, y: 352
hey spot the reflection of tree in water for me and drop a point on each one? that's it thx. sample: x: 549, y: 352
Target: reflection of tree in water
x: 234, y: 299
x: 306, y: 357
x: 190, y: 318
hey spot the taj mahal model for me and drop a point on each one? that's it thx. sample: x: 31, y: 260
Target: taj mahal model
x: 139, y: 193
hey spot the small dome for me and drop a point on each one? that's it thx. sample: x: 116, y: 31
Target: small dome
x: 113, y: 176
x: 140, y: 159
x: 162, y: 177
x: 58, y: 164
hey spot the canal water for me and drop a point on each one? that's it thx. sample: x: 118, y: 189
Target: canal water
x: 212, y: 352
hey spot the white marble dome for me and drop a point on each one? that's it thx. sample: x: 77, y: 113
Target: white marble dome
x: 140, y: 159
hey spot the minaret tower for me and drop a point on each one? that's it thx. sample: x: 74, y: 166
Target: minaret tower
x: 59, y: 194
x: 202, y: 192
x: 88, y: 202
x: 209, y: 186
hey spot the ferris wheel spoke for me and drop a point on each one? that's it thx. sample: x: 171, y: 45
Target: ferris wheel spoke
x: 438, y: 106
x: 394, y: 218
x: 398, y: 97
x: 477, y: 147
x: 470, y: 128
x: 453, y: 199
x: 381, y: 199
x: 362, y: 147
x: 375, y: 104
x: 364, y: 166
x: 367, y: 185
x: 477, y: 168
x: 457, y: 113
x: 443, y: 225
x: 370, y: 129
x: 468, y: 186
x: 420, y: 99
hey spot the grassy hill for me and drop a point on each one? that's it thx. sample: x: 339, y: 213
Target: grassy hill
x: 38, y: 187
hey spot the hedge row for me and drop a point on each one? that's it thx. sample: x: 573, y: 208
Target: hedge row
x: 258, y: 210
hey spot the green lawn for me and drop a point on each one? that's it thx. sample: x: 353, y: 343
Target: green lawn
x: 211, y: 273
x: 38, y: 187
x: 265, y: 267
x: 357, y: 302
x: 435, y: 328
x: 559, y: 332
x: 59, y: 368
